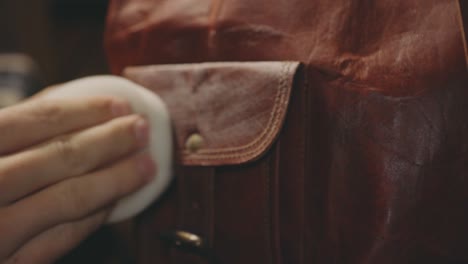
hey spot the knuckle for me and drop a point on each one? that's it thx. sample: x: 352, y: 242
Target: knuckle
x: 69, y: 153
x: 49, y: 112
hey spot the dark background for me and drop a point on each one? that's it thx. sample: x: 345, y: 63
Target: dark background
x: 64, y: 37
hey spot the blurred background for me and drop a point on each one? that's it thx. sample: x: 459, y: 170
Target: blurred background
x: 62, y: 40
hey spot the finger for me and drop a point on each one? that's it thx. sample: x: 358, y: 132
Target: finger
x: 38, y: 120
x: 49, y: 246
x: 72, y: 199
x: 68, y: 156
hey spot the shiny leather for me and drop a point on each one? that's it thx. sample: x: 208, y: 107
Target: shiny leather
x: 370, y: 165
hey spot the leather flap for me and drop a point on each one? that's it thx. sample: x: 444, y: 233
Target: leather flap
x: 223, y: 113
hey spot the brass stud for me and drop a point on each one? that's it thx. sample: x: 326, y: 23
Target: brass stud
x: 184, y: 240
x: 194, y: 142
x: 188, y: 239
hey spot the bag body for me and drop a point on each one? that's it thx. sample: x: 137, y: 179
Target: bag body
x: 307, y: 131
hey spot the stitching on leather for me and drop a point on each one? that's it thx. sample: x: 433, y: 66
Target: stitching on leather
x: 242, y: 151
x: 461, y: 23
x: 280, y: 90
x: 264, y: 133
x: 264, y: 139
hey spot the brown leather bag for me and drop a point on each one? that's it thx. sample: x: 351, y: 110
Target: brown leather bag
x: 310, y: 131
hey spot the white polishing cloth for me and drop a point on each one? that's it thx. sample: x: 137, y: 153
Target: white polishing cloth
x: 143, y: 102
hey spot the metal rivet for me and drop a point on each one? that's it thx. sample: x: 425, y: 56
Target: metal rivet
x: 188, y: 242
x: 188, y: 239
x: 194, y: 142
x: 184, y: 239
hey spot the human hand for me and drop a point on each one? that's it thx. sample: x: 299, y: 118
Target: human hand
x: 62, y: 165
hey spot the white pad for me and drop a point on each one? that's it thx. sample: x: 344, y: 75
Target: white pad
x: 143, y: 102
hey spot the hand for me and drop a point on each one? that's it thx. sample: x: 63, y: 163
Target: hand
x: 62, y: 165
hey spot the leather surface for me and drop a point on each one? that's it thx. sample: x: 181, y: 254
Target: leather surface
x: 463, y: 19
x: 370, y: 165
x: 236, y: 108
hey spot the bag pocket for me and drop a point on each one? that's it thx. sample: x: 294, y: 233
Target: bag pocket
x: 227, y: 118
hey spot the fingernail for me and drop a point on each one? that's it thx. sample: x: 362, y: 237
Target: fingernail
x: 141, y: 130
x: 146, y: 167
x: 120, y: 108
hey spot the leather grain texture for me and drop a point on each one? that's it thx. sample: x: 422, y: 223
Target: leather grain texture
x: 236, y: 108
x: 370, y: 164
